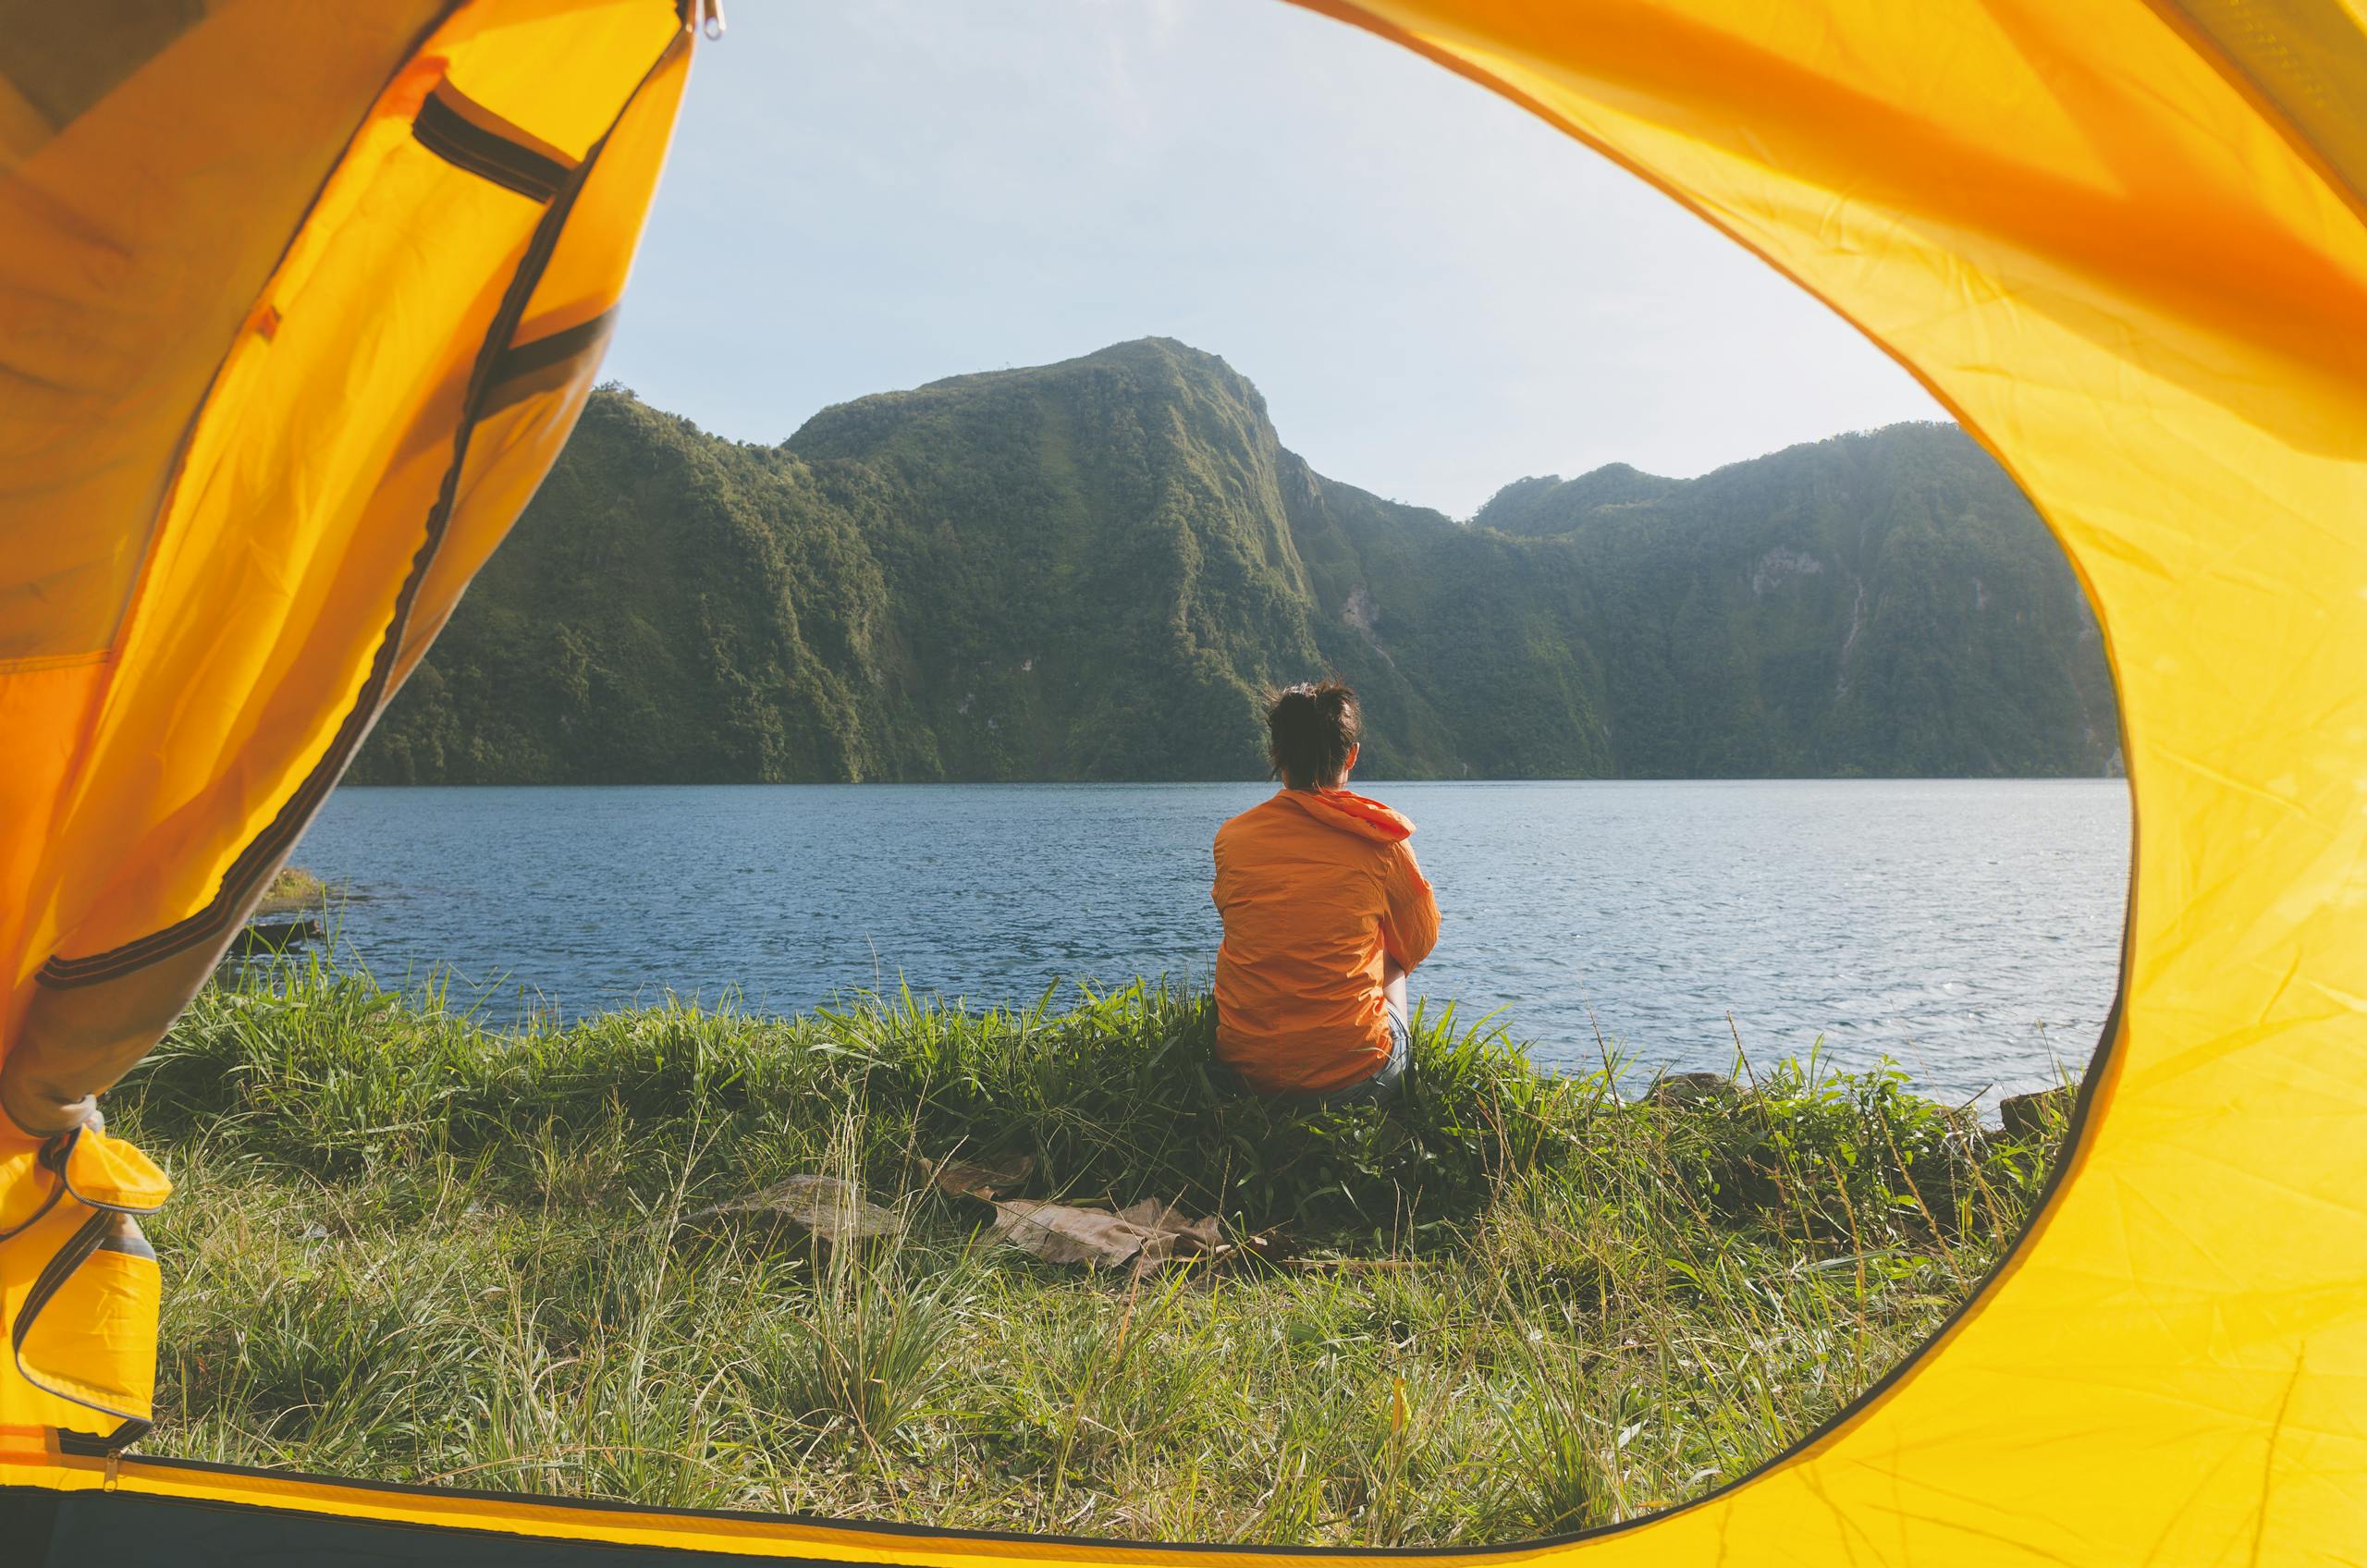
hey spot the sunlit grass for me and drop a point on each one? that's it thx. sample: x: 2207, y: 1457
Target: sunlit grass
x: 409, y: 1246
x: 294, y: 891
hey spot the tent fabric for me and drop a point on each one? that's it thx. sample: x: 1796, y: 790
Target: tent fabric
x: 307, y: 372
x: 2126, y: 241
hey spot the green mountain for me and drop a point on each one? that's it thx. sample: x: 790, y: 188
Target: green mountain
x: 1092, y: 569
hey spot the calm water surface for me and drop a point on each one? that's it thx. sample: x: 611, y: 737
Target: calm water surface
x: 1970, y: 930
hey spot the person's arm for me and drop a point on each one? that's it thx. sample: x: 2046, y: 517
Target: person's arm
x: 1409, y: 927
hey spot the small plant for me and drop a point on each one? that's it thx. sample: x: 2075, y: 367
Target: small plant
x: 293, y: 891
x: 865, y: 1348
x: 1556, y: 1467
x: 867, y: 1351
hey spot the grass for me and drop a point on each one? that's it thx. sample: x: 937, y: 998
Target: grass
x: 409, y: 1246
x: 293, y: 891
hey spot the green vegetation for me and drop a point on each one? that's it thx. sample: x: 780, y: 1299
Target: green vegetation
x: 408, y: 1245
x: 294, y: 891
x: 1090, y: 571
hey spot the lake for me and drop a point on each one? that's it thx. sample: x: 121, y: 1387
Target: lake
x: 1969, y: 929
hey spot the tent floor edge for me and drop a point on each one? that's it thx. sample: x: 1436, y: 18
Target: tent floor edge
x: 128, y: 1529
x: 28, y: 1521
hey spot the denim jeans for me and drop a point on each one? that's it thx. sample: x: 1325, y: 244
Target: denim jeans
x: 1382, y: 1085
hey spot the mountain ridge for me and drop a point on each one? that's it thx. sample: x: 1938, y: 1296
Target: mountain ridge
x: 1092, y: 569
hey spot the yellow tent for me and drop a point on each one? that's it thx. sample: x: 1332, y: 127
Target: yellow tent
x: 297, y: 301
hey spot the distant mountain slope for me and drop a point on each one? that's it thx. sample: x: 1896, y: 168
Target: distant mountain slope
x: 1091, y: 570
x: 1885, y: 603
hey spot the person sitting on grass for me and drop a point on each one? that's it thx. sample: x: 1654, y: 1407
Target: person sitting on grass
x: 1324, y: 913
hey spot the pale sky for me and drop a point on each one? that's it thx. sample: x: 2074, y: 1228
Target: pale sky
x: 1437, y: 293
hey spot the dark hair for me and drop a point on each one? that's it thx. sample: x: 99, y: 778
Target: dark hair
x: 1310, y: 731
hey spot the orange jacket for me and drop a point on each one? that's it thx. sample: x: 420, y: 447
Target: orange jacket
x: 1315, y: 886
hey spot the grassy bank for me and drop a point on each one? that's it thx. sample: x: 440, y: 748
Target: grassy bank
x: 411, y: 1248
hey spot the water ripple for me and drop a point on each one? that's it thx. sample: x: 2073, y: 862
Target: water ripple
x: 1969, y: 929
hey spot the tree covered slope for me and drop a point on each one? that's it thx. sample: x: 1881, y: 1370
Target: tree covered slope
x: 1091, y: 570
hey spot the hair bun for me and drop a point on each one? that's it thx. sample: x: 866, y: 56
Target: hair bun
x: 1311, y: 729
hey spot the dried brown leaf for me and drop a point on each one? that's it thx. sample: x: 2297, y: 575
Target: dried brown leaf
x: 832, y: 1210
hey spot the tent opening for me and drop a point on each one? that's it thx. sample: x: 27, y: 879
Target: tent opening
x: 594, y: 1232
x: 2123, y: 249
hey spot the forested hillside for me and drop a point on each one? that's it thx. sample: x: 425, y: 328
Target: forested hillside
x: 1091, y: 570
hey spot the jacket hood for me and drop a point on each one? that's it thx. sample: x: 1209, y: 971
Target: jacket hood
x: 1352, y: 813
